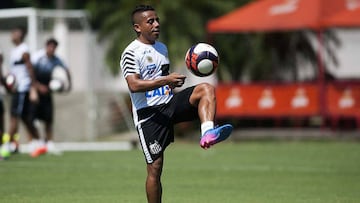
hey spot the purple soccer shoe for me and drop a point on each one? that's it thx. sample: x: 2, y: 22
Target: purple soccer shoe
x: 215, y: 135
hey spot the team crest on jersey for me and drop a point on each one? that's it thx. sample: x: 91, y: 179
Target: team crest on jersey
x: 155, y: 148
x: 149, y: 59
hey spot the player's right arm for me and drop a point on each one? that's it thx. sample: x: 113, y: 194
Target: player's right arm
x: 131, y: 72
x: 136, y: 84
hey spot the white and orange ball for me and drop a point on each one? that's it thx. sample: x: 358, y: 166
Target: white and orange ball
x: 60, y: 81
x: 202, y: 59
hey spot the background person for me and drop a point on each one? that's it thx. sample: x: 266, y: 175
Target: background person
x: 1, y: 106
x: 21, y: 68
x: 44, y: 62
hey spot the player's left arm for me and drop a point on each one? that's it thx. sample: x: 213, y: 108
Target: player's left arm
x: 69, y: 76
x: 30, y: 69
x: 66, y: 68
x: 34, y: 85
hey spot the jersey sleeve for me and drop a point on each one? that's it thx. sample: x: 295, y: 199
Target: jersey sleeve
x: 61, y: 63
x: 129, y: 64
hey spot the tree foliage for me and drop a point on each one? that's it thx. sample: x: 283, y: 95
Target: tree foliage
x: 182, y: 24
x: 265, y: 56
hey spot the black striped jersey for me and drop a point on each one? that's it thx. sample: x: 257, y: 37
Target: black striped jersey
x: 18, y: 67
x: 149, y: 61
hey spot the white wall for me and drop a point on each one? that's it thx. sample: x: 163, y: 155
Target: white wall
x: 85, y: 59
x: 348, y: 54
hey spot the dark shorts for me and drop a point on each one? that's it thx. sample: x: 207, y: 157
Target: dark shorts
x: 44, y: 109
x: 20, y: 105
x: 156, y: 131
x: 1, y: 107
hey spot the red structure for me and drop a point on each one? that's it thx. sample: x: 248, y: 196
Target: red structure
x: 328, y: 100
x: 277, y: 15
x: 349, y: 17
x: 299, y: 100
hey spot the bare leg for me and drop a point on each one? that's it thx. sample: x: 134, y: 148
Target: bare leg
x: 48, y: 131
x: 153, y: 181
x: 13, y: 127
x: 1, y: 127
x: 32, y: 130
x: 204, y: 98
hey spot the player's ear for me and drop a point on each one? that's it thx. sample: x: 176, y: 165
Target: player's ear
x: 137, y: 28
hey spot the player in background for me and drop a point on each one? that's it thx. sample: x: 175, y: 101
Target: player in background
x: 145, y: 66
x: 44, y: 62
x: 1, y: 105
x: 21, y: 68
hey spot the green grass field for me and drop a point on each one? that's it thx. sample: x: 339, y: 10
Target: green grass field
x: 248, y: 172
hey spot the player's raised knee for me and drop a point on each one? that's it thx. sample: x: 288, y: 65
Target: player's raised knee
x: 207, y: 89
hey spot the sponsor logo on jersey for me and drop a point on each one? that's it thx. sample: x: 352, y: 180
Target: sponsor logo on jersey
x: 161, y: 91
x: 155, y: 148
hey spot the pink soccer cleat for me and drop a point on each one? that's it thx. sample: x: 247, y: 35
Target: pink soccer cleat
x: 215, y: 135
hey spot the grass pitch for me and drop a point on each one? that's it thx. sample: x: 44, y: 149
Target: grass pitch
x: 251, y: 172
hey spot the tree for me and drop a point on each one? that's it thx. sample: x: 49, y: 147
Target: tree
x: 265, y: 56
x: 182, y: 24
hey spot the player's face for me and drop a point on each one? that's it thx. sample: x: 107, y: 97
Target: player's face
x: 50, y: 49
x: 16, y: 36
x: 148, y: 27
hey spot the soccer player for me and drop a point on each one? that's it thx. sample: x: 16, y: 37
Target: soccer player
x: 44, y: 62
x: 145, y: 66
x: 1, y: 103
x: 21, y: 68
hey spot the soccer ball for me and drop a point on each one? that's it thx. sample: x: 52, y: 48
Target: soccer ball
x: 60, y: 81
x: 202, y: 59
x: 11, y: 82
x: 56, y: 85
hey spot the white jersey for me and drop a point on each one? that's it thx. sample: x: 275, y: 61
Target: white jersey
x: 18, y: 67
x: 43, y: 66
x: 149, y: 62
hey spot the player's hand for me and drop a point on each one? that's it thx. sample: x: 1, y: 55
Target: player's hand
x: 176, y: 80
x: 8, y: 89
x: 43, y: 89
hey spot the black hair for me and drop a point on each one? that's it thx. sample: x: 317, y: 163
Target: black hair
x: 52, y: 41
x: 140, y: 8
